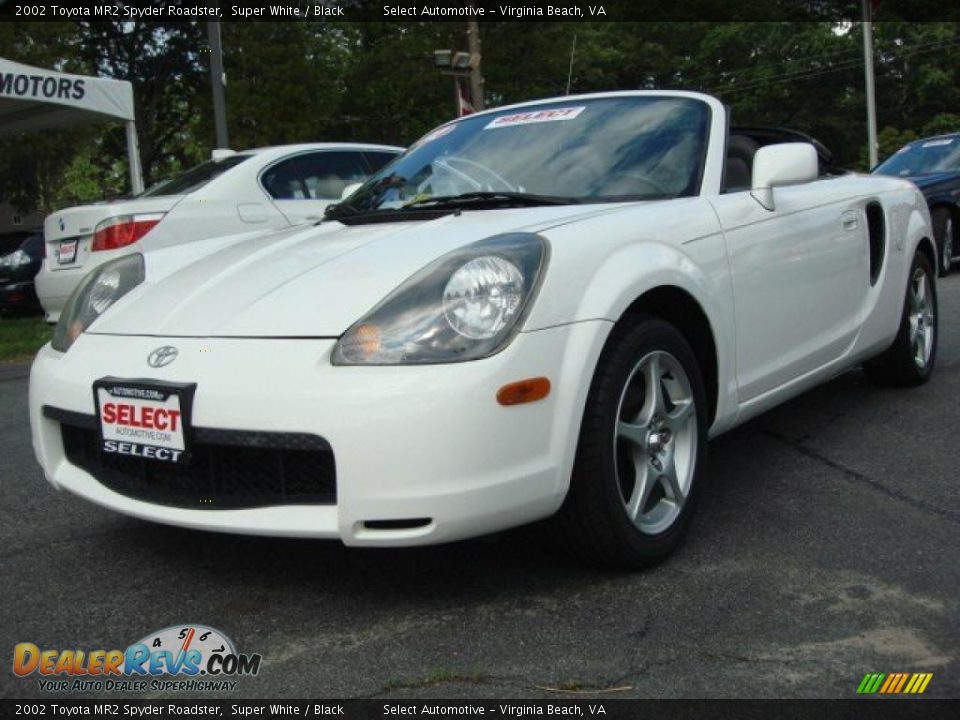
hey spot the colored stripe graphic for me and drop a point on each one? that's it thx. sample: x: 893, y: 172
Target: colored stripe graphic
x: 870, y: 683
x: 894, y: 683
x: 900, y: 682
x: 891, y: 681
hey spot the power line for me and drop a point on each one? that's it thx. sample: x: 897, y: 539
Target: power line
x: 822, y: 58
x: 840, y: 67
x: 910, y: 50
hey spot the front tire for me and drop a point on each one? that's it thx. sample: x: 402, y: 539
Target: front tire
x: 641, y: 452
x: 910, y: 360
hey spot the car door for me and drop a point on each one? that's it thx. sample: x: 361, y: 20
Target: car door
x: 800, y: 276
x: 304, y: 185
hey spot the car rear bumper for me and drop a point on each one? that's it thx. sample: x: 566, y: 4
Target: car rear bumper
x: 54, y: 287
x: 18, y: 297
x: 427, y: 444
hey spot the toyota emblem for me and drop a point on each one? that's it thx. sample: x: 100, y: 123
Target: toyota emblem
x: 162, y: 356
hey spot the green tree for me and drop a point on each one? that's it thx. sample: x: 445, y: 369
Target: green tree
x: 375, y: 81
x: 170, y: 87
x: 285, y: 82
x: 392, y: 92
x: 32, y: 165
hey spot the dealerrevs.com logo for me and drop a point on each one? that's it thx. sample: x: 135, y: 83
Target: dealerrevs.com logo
x: 180, y: 657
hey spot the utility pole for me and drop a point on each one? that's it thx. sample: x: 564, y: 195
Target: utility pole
x: 476, y: 76
x: 871, y: 90
x: 218, y: 79
x: 573, y: 51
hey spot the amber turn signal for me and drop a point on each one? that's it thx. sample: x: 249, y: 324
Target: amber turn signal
x: 367, y: 340
x: 524, y: 391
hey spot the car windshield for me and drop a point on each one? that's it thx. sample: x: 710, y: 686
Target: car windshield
x: 926, y: 156
x: 578, y: 150
x: 194, y: 178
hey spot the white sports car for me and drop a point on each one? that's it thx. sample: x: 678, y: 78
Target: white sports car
x: 539, y: 310
x: 259, y: 189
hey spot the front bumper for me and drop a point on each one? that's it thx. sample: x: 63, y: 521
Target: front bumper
x: 415, y: 442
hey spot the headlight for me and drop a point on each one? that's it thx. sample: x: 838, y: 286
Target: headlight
x: 18, y: 258
x: 95, y: 293
x: 483, y: 297
x: 465, y: 306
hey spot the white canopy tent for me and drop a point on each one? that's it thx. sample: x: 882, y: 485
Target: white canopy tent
x: 36, y: 99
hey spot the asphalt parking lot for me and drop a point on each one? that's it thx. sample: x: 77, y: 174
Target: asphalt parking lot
x: 827, y: 546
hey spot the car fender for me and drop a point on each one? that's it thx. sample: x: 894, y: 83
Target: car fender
x: 909, y: 230
x: 615, y: 283
x: 919, y: 225
x: 917, y: 229
x: 943, y: 198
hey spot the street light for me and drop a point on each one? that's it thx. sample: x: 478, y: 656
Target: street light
x: 459, y: 65
x: 450, y: 60
x: 464, y: 66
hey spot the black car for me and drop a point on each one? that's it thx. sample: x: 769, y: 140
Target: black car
x: 934, y: 165
x: 10, y: 241
x: 17, y: 270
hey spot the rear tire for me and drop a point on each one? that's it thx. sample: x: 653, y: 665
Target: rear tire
x: 641, y: 452
x: 910, y: 360
x: 943, y: 233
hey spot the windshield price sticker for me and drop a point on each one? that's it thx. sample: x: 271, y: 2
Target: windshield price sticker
x: 142, y: 422
x: 436, y: 134
x: 535, y: 116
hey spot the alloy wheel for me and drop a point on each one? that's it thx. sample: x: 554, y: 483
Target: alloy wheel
x: 655, y: 443
x: 948, y: 244
x: 922, y: 319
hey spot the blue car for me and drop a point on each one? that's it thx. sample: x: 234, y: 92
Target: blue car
x: 933, y: 164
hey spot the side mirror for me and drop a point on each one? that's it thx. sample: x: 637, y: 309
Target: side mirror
x: 348, y: 190
x: 782, y: 164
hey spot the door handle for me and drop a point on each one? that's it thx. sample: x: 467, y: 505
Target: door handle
x: 850, y: 220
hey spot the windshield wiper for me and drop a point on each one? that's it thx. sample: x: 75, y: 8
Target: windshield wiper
x: 337, y: 210
x: 345, y: 209
x: 443, y: 204
x: 491, y: 198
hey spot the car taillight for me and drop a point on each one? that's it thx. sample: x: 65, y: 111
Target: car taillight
x: 123, y: 230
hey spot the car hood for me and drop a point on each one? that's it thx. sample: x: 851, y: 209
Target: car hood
x: 302, y: 282
x: 930, y: 180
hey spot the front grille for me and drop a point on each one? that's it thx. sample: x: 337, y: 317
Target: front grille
x: 228, y: 469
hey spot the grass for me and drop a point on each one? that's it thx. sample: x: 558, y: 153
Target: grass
x: 20, y: 338
x: 579, y: 687
x: 436, y: 676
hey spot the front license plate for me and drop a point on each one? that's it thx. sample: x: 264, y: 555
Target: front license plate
x: 144, y: 419
x: 67, y: 252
